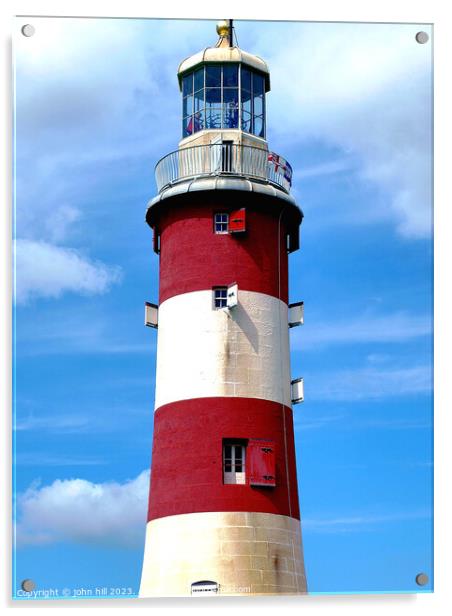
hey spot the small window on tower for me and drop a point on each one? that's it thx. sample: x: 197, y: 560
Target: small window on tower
x: 220, y: 297
x: 233, y: 462
x: 221, y: 223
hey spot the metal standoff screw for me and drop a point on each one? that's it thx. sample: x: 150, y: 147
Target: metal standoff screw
x: 28, y: 585
x: 422, y: 37
x: 28, y: 30
x: 421, y: 579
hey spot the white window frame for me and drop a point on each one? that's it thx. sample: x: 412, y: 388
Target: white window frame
x: 238, y: 453
x: 225, y: 222
x: 220, y: 298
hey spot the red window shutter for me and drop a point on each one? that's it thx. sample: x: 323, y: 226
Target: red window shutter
x: 261, y: 459
x: 237, y: 221
x: 156, y: 240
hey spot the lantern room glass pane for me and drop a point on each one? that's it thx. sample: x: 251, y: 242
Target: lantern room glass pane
x: 230, y: 97
x: 199, y: 100
x: 199, y: 120
x: 187, y: 85
x: 258, y: 105
x: 230, y: 117
x: 199, y: 79
x: 258, y: 84
x: 187, y: 106
x: 213, y: 76
x: 230, y: 76
x: 246, y: 121
x: 194, y: 123
x: 246, y: 101
x: 187, y: 126
x: 246, y: 79
x: 258, y: 128
x: 213, y: 97
x: 213, y: 117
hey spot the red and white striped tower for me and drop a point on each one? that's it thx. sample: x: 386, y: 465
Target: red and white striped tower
x: 223, y: 505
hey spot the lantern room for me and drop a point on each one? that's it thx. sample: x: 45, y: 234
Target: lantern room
x: 223, y: 94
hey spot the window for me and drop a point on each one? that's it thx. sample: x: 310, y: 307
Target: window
x: 220, y: 297
x: 233, y: 462
x: 221, y: 223
x: 225, y: 95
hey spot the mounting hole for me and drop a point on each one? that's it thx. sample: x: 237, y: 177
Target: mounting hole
x: 28, y: 30
x: 422, y: 37
x: 421, y: 579
x: 28, y: 585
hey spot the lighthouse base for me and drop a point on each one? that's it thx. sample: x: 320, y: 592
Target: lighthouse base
x: 239, y: 553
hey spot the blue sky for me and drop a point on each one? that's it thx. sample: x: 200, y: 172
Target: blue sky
x: 97, y: 104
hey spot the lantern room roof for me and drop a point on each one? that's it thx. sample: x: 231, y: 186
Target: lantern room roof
x: 221, y: 53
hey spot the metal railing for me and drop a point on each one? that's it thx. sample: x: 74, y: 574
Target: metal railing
x: 226, y: 159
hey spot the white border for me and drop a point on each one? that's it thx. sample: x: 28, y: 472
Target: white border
x: 435, y: 12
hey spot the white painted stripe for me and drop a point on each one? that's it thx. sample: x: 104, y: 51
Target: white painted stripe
x: 243, y: 552
x: 241, y: 351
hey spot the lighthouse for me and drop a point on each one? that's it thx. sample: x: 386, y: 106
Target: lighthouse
x: 223, y: 514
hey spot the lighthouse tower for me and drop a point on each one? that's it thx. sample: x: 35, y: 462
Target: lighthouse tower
x: 223, y: 505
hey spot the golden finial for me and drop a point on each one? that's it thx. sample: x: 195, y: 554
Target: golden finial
x: 223, y: 28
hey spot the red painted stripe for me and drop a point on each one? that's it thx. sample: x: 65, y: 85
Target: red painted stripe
x: 194, y: 258
x: 187, y: 465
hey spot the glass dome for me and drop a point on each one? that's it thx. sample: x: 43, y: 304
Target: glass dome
x: 223, y: 96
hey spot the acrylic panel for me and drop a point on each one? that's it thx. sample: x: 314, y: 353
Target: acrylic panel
x: 291, y: 452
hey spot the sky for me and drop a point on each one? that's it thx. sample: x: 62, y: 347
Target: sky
x: 97, y: 104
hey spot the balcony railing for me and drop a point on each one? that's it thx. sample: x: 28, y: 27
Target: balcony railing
x: 223, y: 159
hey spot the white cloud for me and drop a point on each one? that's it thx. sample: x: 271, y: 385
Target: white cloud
x: 108, y: 79
x: 79, y: 511
x: 328, y: 168
x: 76, y: 83
x: 362, y: 522
x: 59, y: 222
x: 396, y: 327
x: 365, y: 88
x: 350, y: 422
x: 370, y: 383
x: 45, y: 270
x: 59, y: 423
x: 58, y: 67
x: 89, y: 330
x: 362, y: 88
x: 34, y: 459
x: 320, y: 421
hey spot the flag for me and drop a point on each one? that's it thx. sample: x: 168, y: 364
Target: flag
x: 280, y: 166
x: 275, y: 159
x: 288, y: 172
